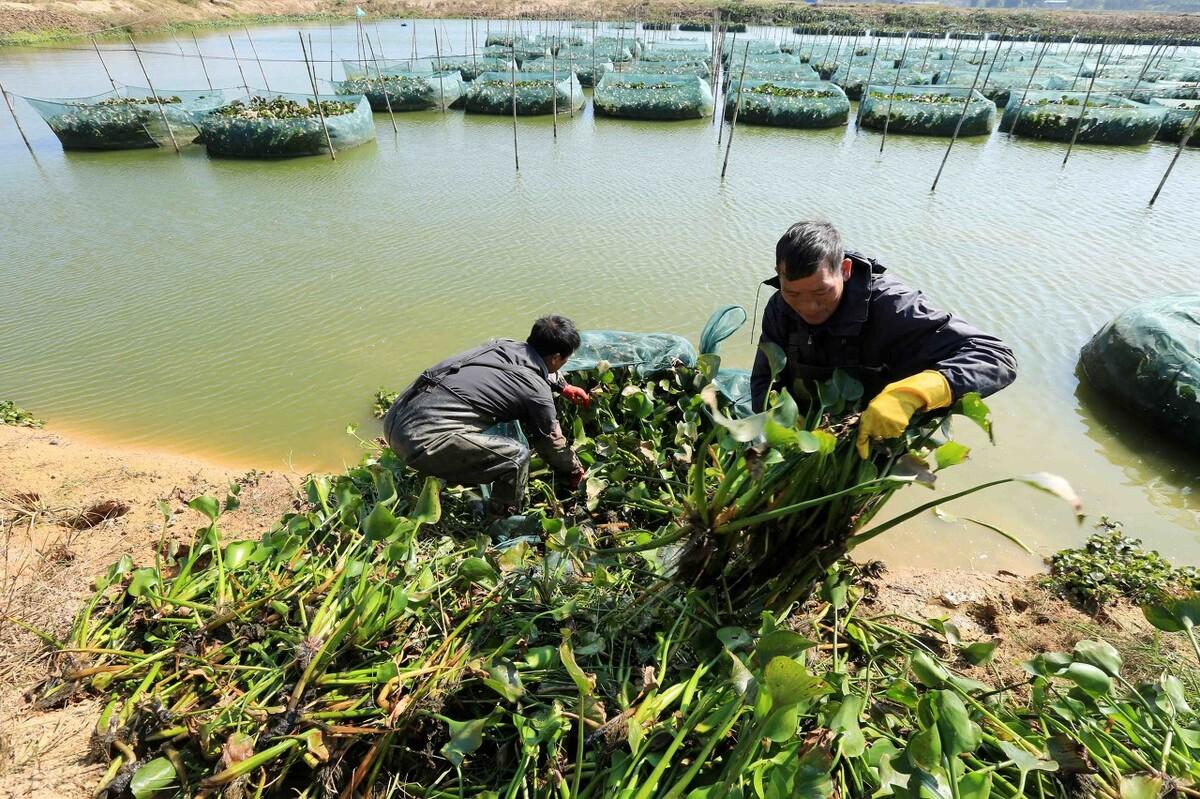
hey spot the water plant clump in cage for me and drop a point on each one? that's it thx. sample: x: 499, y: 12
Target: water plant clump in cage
x: 790, y: 104
x: 853, y: 77
x: 653, y: 96
x: 536, y: 93
x: 284, y: 125
x: 126, y: 119
x: 411, y: 92
x: 927, y: 111
x: 1178, y: 120
x: 1106, y: 119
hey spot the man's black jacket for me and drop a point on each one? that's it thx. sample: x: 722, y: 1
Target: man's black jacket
x: 882, y: 331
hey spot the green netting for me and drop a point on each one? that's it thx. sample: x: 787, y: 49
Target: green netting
x: 697, y: 68
x: 471, y: 68
x: 635, y: 95
x: 403, y: 66
x: 1168, y: 90
x: 1000, y: 85
x: 801, y: 72
x: 583, y: 69
x: 1180, y: 114
x: 1058, y: 83
x: 126, y: 119
x: 619, y: 49
x: 789, y: 104
x: 522, y: 52
x: 646, y: 353
x: 724, y: 322
x: 250, y: 127
x: 755, y: 47
x: 1108, y: 119
x: 853, y: 77
x: 412, y: 92
x: 492, y: 93
x: 927, y: 110
x: 664, y: 51
x: 1148, y: 360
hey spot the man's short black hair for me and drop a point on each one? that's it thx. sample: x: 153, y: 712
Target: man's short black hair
x: 806, y: 247
x: 554, y: 335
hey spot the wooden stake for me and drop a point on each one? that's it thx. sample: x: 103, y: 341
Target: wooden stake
x: 1028, y: 83
x: 330, y: 52
x: 732, y: 45
x: 895, y: 82
x: 437, y: 49
x: 202, y: 65
x: 382, y: 85
x: 1187, y: 134
x: 736, y: 107
x: 1083, y: 108
x: 866, y: 89
x: 21, y: 130
x: 310, y: 69
x: 158, y: 102
x: 513, y: 86
x: 554, y: 92
x: 254, y: 50
x: 238, y: 61
x: 962, y: 116
x: 953, y: 59
x: 107, y: 74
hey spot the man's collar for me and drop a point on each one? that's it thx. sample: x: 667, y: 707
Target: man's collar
x: 535, y: 359
x: 855, y: 304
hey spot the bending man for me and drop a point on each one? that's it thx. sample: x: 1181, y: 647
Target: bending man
x: 437, y: 424
x: 839, y: 310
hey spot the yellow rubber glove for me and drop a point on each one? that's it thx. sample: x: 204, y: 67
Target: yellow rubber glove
x: 889, y: 413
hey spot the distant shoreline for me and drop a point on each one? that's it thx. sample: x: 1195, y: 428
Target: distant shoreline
x: 44, y: 21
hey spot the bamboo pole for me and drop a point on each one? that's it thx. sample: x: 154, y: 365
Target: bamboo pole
x: 895, y: 82
x: 107, y: 74
x: 238, y: 61
x: 1083, y: 108
x: 202, y: 64
x: 310, y: 69
x: 254, y: 50
x: 962, y: 116
x: 866, y: 88
x: 1028, y: 83
x: 331, y: 52
x: 1142, y: 74
x: 554, y: 92
x: 512, y: 45
x: 13, y: 112
x: 1187, y: 134
x: 953, y: 60
x: 721, y: 126
x: 736, y: 107
x: 157, y: 100
x: 437, y: 50
x: 378, y: 38
x: 382, y: 86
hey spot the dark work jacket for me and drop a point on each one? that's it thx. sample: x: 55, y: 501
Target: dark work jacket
x: 500, y: 381
x: 881, y: 332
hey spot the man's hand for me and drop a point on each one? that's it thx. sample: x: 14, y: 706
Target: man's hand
x: 577, y: 396
x: 890, y: 412
x: 575, y: 479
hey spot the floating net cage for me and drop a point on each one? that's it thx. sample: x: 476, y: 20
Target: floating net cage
x: 1107, y: 119
x: 536, y: 93
x: 927, y: 110
x: 646, y: 353
x: 411, y: 92
x: 126, y: 119
x: 853, y: 78
x: 1166, y: 90
x: 1000, y: 85
x: 355, y: 68
x: 588, y: 72
x: 521, y: 53
x: 635, y: 95
x: 789, y: 104
x: 698, y: 69
x: 1179, y: 117
x: 471, y: 67
x: 284, y: 125
x: 733, y: 51
x: 664, y: 51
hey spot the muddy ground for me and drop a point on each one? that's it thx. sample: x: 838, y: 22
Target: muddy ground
x: 69, y: 509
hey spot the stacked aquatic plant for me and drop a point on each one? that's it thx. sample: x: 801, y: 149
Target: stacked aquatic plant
x: 406, y: 92
x: 653, y: 96
x: 378, y: 640
x: 282, y: 108
x: 787, y: 104
x: 536, y: 93
x: 286, y: 125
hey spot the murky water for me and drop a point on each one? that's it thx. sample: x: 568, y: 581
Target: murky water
x: 246, y: 310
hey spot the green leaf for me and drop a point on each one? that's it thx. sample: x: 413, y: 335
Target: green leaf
x: 789, y: 683
x: 853, y: 743
x: 776, y: 358
x: 781, y: 643
x: 207, y: 505
x: 739, y: 676
x: 743, y: 430
x: 1100, y: 654
x: 380, y: 524
x: 708, y: 364
x: 958, y: 733
x: 1024, y: 761
x: 1141, y: 787
x: 951, y: 453
x: 504, y: 680
x: 143, y: 580
x: 924, y: 749
x: 1048, y: 664
x: 1089, y: 678
x: 734, y: 638
x: 237, y: 554
x: 429, y: 504
x: 979, y: 652
x: 928, y: 672
x: 1174, y: 615
x: 540, y: 657
x: 154, y: 776
x: 972, y: 406
x: 902, y: 692
x: 585, y: 682
x: 465, y: 738
x: 478, y: 570
x: 812, y: 775
x: 976, y: 785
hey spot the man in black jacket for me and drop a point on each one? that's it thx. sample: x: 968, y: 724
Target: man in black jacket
x: 437, y: 424
x: 838, y: 310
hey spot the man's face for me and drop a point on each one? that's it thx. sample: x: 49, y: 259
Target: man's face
x: 555, y: 362
x: 815, y: 297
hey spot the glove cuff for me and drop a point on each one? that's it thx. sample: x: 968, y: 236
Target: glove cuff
x: 930, y: 386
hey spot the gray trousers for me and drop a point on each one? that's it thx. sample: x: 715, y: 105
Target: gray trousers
x: 438, y: 434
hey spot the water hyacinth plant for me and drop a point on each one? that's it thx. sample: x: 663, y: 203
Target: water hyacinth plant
x: 281, y: 125
x: 638, y: 639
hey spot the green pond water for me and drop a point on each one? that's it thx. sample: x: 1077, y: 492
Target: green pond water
x: 245, y: 311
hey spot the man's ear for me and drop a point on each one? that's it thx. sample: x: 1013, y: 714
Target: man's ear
x: 847, y: 268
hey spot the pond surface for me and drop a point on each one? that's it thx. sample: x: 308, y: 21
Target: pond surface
x: 245, y: 311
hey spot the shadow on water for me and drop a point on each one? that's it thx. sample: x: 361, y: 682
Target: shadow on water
x: 1148, y: 454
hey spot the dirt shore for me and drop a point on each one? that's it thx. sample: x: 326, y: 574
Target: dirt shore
x: 69, y: 509
x: 31, y: 21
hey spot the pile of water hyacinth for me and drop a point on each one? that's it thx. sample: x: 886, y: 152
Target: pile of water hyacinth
x: 682, y: 626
